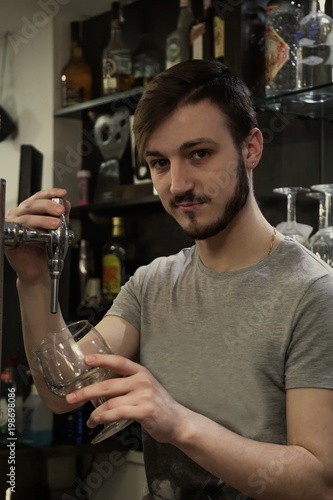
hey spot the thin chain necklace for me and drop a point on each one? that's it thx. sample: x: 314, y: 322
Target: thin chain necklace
x: 272, y: 242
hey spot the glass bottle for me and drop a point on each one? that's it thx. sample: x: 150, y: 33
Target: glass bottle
x: 178, y: 41
x: 116, y: 57
x: 281, y: 33
x: 314, y: 65
x: 86, y: 267
x: 113, y: 261
x: 253, y: 46
x: 147, y: 57
x: 207, y: 35
x: 76, y: 76
x: 7, y: 393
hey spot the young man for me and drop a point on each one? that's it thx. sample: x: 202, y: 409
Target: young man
x: 233, y: 387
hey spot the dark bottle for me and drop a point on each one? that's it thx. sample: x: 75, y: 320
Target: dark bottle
x: 113, y: 261
x: 253, y: 46
x: 207, y: 35
x: 7, y: 407
x: 76, y: 76
x: 86, y: 267
x: 17, y: 380
x: 147, y: 57
x: 116, y: 57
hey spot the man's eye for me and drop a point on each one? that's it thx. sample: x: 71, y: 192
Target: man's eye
x: 159, y: 163
x: 201, y: 153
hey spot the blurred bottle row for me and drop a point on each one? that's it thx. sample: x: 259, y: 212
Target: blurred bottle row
x: 298, y: 45
x: 123, y: 69
x: 25, y: 419
x: 98, y: 289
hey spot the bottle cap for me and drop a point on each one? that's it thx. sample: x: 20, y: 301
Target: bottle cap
x: 5, y: 376
x: 33, y: 390
x: 83, y: 173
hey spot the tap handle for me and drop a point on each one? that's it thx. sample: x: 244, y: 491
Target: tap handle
x: 57, y: 248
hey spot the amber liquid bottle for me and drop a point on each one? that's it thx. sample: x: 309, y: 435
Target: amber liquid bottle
x: 113, y: 261
x: 116, y: 57
x: 76, y: 77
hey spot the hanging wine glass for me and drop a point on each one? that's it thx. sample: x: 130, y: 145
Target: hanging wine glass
x: 321, y: 243
x: 316, y: 195
x: 291, y: 228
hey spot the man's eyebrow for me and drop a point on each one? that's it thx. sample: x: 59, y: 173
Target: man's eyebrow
x: 196, y: 142
x: 152, y: 153
x: 183, y: 147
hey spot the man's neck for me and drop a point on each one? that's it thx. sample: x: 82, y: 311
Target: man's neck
x: 247, y: 240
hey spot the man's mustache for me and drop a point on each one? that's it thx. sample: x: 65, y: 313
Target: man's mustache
x: 189, y: 198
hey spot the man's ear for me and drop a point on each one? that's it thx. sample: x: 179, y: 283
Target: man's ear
x: 252, y: 148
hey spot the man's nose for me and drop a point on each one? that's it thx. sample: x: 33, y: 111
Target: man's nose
x: 181, y: 179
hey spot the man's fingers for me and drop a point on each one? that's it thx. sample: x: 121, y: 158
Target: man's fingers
x: 118, y: 364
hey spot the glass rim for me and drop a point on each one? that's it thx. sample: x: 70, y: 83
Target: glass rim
x: 47, y: 344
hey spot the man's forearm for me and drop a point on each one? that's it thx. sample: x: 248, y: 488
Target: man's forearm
x: 37, y: 322
x: 260, y: 470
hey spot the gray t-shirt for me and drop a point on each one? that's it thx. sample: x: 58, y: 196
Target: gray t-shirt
x: 227, y: 345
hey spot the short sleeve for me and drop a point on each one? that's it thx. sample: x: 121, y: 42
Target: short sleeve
x: 309, y: 359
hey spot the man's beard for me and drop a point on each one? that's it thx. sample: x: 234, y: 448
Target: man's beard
x: 232, y: 208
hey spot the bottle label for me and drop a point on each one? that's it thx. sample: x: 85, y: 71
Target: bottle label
x: 276, y: 53
x: 109, y: 67
x: 197, y: 41
x: 218, y: 37
x: 109, y: 78
x: 111, y: 276
x: 173, y: 51
x: 71, y: 93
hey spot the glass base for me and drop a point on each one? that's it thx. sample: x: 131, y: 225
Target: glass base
x: 110, y: 429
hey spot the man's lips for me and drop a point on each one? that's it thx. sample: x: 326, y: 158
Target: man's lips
x: 189, y: 206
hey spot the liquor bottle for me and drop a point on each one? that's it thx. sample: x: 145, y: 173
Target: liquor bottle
x: 7, y: 398
x: 113, y: 261
x: 116, y: 57
x: 76, y: 76
x: 16, y: 379
x: 148, y: 58
x: 314, y: 61
x: 207, y: 35
x: 253, y: 46
x: 178, y: 41
x: 86, y: 267
x: 282, y: 29
x: 37, y: 420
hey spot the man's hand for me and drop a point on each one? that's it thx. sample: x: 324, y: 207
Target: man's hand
x: 137, y: 395
x: 41, y: 213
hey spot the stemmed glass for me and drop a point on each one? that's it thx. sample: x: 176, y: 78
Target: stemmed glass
x: 315, y: 195
x: 291, y: 229
x: 321, y: 243
x: 61, y: 358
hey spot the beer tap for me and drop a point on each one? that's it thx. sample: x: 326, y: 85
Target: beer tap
x: 57, y: 242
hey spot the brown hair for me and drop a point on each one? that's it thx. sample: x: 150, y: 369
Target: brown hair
x: 191, y: 82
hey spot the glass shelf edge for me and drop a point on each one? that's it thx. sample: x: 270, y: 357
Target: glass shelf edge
x: 294, y: 93
x: 99, y: 102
